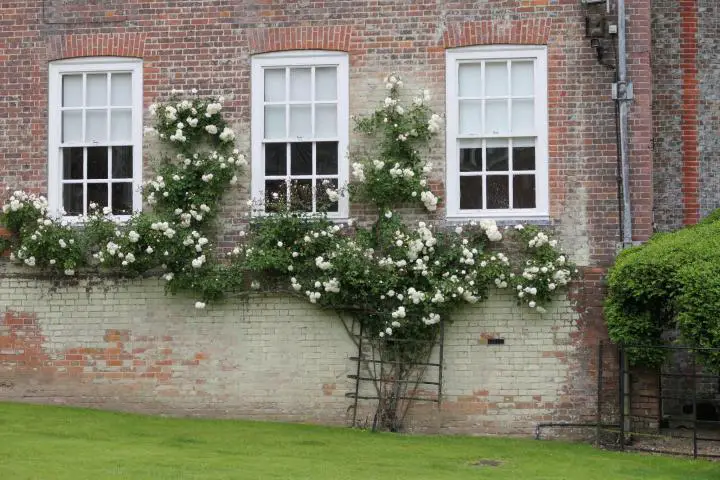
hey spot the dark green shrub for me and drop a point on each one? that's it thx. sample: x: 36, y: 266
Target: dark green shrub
x: 671, y: 282
x: 713, y: 216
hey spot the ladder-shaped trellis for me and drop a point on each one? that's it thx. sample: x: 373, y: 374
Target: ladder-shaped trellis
x: 394, y: 384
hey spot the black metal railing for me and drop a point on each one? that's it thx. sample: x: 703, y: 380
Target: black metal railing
x: 673, y: 408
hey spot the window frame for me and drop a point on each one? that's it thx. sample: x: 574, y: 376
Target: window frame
x: 299, y: 58
x: 455, y: 57
x: 56, y: 70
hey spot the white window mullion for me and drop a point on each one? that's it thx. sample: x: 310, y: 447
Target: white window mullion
x: 85, y: 183
x: 511, y: 176
x: 483, y: 127
x: 509, y: 104
x: 288, y: 173
x: 84, y: 110
x: 108, y: 129
x: 287, y: 110
x: 312, y: 108
x: 484, y: 173
x: 109, y: 177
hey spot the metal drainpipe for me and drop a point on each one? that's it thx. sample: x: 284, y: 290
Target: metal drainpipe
x: 624, y: 108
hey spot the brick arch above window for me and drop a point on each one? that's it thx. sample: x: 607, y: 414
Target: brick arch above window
x: 486, y: 32
x: 124, y: 44
x: 336, y: 37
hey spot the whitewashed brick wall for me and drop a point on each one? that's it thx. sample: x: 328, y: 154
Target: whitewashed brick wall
x: 128, y: 346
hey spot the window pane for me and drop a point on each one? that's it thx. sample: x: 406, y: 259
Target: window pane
x: 275, y: 195
x: 471, y: 159
x: 121, y: 90
x: 471, y: 193
x: 73, y: 199
x: 496, y: 117
x: 524, y: 191
x: 96, y: 126
x: 275, y: 158
x: 470, y: 117
x: 498, y: 192
x: 122, y: 162
x: 323, y: 201
x: 300, y: 84
x: 300, y: 121
x: 523, y: 158
x: 121, y: 125
x: 73, y: 163
x: 97, y: 193
x: 325, y: 83
x: 97, y: 162
x: 301, y: 158
x: 301, y: 195
x: 122, y: 194
x: 496, y: 79
x: 523, y: 116
x: 96, y: 90
x: 72, y: 91
x: 72, y: 126
x: 496, y: 156
x: 325, y: 121
x: 275, y: 85
x: 326, y: 158
x: 523, y: 78
x: 470, y: 80
x: 275, y: 121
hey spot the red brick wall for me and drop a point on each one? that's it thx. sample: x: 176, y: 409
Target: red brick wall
x: 207, y: 45
x: 185, y: 44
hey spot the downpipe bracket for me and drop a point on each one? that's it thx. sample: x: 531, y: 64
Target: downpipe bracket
x: 623, y: 91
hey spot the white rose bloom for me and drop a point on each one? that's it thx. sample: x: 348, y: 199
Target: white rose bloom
x: 227, y: 134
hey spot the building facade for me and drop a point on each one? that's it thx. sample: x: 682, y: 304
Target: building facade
x: 530, y: 135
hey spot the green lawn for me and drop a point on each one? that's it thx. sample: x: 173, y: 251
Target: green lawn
x: 56, y: 443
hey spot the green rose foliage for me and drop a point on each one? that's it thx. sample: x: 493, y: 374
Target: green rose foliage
x: 199, y: 164
x: 399, y: 279
x: 37, y: 241
x: 394, y: 172
x: 665, y: 285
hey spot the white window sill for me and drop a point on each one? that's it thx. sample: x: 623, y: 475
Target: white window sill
x: 81, y: 221
x: 500, y: 220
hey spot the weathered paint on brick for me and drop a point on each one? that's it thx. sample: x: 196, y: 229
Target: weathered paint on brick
x: 128, y: 346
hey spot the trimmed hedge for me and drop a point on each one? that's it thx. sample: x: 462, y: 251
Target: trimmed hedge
x: 670, y: 283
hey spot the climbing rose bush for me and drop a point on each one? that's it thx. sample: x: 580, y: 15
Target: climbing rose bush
x: 400, y: 278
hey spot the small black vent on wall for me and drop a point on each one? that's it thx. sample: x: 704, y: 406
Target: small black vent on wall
x: 496, y: 341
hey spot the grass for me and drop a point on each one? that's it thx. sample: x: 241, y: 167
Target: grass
x: 58, y: 443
